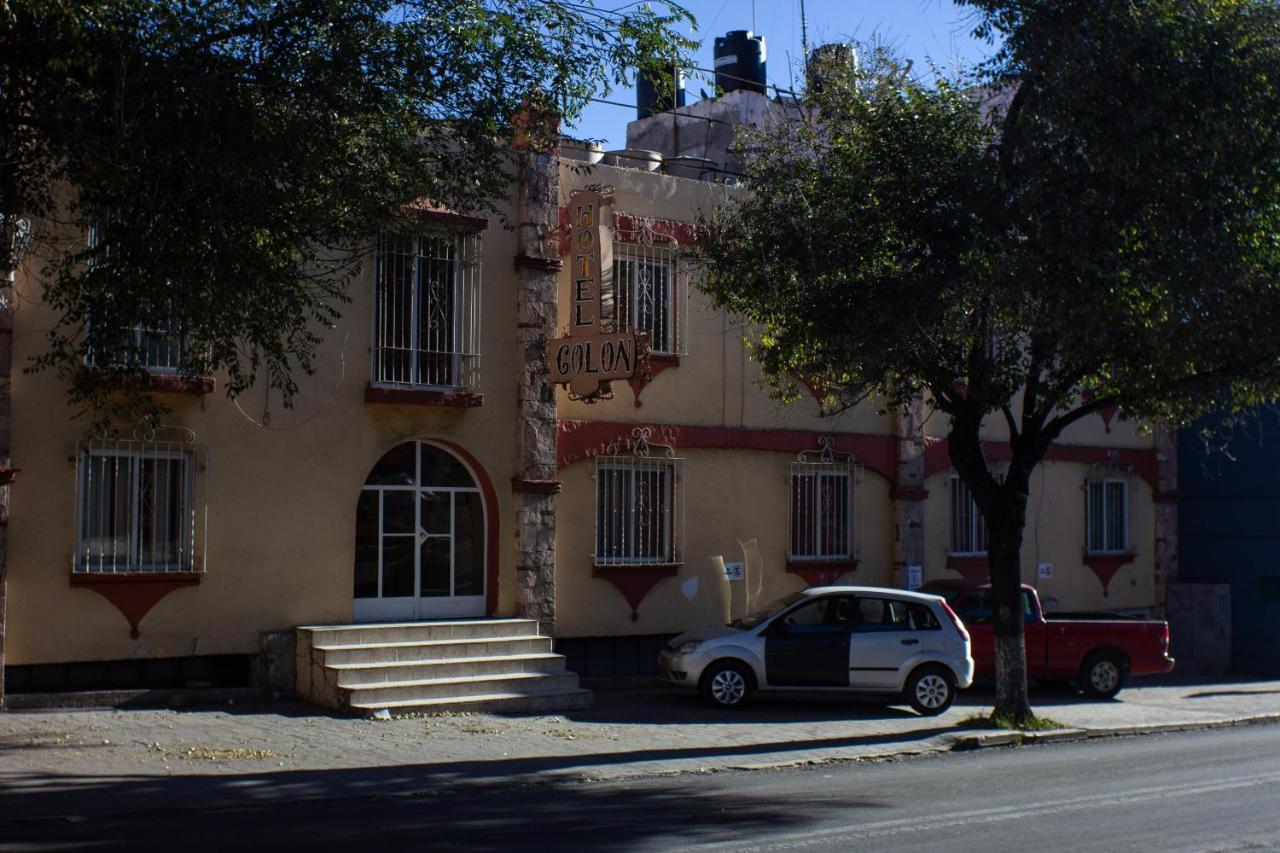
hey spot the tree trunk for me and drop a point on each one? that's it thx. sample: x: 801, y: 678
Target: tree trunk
x: 1005, y: 523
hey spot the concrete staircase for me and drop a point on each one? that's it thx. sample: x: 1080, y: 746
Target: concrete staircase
x: 501, y: 665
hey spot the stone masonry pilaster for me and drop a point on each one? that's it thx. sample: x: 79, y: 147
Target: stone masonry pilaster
x: 909, y: 493
x: 536, y: 315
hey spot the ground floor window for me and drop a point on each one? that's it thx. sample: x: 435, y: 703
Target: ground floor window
x: 137, y: 506
x: 968, y: 526
x: 639, y: 504
x: 1106, y: 512
x: 823, y: 489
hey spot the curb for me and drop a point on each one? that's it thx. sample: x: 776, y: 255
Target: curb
x: 961, y: 743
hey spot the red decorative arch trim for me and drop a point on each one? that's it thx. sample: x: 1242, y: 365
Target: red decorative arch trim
x: 937, y: 456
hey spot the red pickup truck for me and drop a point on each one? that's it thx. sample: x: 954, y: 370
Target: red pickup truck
x: 1097, y: 651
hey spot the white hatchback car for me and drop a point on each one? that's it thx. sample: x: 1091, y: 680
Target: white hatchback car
x: 843, y: 638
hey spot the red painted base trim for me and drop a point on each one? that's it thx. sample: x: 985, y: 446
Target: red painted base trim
x: 634, y: 582
x: 578, y: 440
x: 821, y: 573
x: 970, y: 568
x: 423, y: 397
x: 134, y: 594
x: 1105, y: 567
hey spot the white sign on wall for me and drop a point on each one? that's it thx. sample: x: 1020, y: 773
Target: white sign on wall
x: 1044, y: 570
x: 915, y: 577
x: 735, y: 571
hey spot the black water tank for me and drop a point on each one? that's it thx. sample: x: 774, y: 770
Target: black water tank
x: 648, y: 101
x: 740, y: 61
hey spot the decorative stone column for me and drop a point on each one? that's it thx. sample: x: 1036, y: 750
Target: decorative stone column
x: 1166, y: 516
x: 535, y: 485
x: 909, y: 492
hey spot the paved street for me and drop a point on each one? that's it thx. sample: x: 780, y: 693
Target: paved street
x: 74, y: 765
x: 1211, y: 790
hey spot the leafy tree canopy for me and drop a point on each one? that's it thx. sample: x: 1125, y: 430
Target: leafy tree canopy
x: 233, y: 156
x: 1093, y: 221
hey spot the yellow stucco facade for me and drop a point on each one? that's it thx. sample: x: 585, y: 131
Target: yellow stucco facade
x: 280, y: 486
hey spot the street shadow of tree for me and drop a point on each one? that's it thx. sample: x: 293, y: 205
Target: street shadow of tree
x: 407, y: 807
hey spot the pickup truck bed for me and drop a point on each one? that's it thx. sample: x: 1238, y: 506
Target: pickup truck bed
x: 1098, y: 651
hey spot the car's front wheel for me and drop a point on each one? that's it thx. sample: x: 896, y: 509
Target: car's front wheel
x: 728, y: 684
x: 931, y: 690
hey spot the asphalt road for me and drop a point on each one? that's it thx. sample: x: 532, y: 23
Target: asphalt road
x: 1214, y: 790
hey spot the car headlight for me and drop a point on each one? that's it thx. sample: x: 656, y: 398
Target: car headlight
x: 686, y: 648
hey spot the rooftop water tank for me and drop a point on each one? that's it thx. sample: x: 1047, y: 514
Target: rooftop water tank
x: 648, y: 101
x: 740, y: 61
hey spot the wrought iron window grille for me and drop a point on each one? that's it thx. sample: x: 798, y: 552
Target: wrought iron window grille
x: 141, y: 503
x: 968, y: 526
x: 426, y: 310
x: 826, y: 490
x: 639, y: 504
x: 1107, y: 486
x: 650, y: 289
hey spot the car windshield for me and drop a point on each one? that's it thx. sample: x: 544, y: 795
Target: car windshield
x: 764, y: 614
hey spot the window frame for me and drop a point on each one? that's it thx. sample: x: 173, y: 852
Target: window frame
x: 615, y: 516
x: 463, y: 354
x: 1090, y: 546
x: 976, y: 523
x: 188, y: 520
x: 627, y: 295
x: 819, y: 472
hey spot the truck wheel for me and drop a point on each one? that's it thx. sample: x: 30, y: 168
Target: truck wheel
x: 931, y: 690
x: 728, y: 684
x: 1102, y: 675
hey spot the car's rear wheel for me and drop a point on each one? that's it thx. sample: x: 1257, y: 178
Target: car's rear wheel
x: 1102, y: 675
x: 728, y: 684
x: 931, y: 690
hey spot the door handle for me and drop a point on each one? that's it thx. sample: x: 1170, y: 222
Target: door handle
x: 910, y: 642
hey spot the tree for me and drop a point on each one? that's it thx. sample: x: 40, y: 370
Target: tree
x: 1097, y: 224
x: 232, y: 159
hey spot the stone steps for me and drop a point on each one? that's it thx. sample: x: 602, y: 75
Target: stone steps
x: 476, y: 664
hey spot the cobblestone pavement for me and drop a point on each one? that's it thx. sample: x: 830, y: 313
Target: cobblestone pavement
x: 60, y: 763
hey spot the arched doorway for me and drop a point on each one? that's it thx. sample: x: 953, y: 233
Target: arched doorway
x: 420, y: 537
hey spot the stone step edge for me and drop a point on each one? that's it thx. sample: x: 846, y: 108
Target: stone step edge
x: 459, y: 679
x: 357, y: 626
x: 443, y: 661
x: 575, y: 693
x: 453, y: 641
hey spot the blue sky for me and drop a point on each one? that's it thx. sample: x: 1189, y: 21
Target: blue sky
x: 924, y: 30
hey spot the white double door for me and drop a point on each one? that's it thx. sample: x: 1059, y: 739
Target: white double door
x: 420, y: 553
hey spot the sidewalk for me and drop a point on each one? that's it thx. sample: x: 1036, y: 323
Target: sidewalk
x: 78, y: 764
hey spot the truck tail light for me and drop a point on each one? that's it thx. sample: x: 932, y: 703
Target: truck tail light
x: 955, y: 620
x: 1164, y: 638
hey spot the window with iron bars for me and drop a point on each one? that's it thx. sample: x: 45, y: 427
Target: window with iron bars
x: 1106, y: 512
x: 639, y: 507
x: 137, y: 507
x: 823, y: 501
x: 649, y: 293
x: 968, y: 526
x: 158, y: 349
x: 427, y: 310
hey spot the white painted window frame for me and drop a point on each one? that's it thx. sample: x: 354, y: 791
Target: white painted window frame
x: 1091, y: 508
x: 976, y: 525
x: 813, y: 467
x: 619, y: 513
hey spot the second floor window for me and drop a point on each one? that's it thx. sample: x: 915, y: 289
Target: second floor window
x: 157, y: 347
x: 427, y: 310
x: 968, y: 527
x: 645, y: 284
x: 1106, y: 512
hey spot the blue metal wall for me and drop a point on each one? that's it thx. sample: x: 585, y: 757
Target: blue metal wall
x: 1229, y: 531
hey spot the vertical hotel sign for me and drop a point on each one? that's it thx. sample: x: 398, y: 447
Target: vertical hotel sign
x: 594, y: 352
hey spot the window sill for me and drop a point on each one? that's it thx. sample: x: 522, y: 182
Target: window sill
x: 820, y: 572
x: 174, y: 383
x: 134, y: 593
x: 455, y: 399
x: 1106, y: 564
